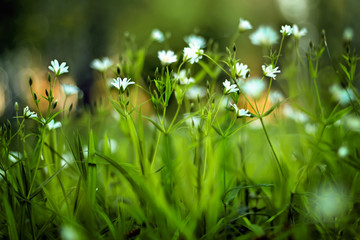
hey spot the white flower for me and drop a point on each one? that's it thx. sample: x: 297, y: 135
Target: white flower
x: 157, y: 35
x: 101, y: 65
x: 240, y: 112
x: 192, y: 121
x: 298, y: 33
x: 193, y: 53
x: 269, y: 71
x: 196, y: 92
x: 167, y: 57
x: 121, y: 84
x: 195, y: 40
x: 241, y: 70
x: 53, y: 125
x: 276, y: 96
x: 343, y: 151
x: 264, y: 36
x: 70, y: 89
x: 244, y: 25
x: 348, y: 34
x: 183, y: 79
x: 297, y: 116
x: 254, y: 87
x: 286, y: 30
x: 28, y: 113
x: 58, y: 69
x: 342, y: 95
x: 229, y: 88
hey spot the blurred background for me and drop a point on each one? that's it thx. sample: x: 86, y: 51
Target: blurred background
x: 33, y: 34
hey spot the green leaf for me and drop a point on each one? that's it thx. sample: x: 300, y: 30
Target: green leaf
x: 340, y: 114
x: 345, y: 70
x: 154, y: 123
x: 273, y: 108
x: 254, y: 228
x: 10, y: 219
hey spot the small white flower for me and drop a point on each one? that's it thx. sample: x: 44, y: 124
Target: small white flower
x: 121, y: 84
x: 183, y: 79
x: 167, y: 57
x: 70, y: 89
x: 342, y: 95
x: 264, y: 36
x: 298, y: 33
x: 286, y: 30
x: 53, y: 125
x: 343, y: 151
x: 348, y: 34
x: 157, y: 35
x: 244, y: 25
x: 240, y: 112
x: 101, y: 65
x: 193, y: 121
x: 58, y: 69
x: 196, y: 92
x: 276, y: 96
x: 269, y: 71
x: 297, y: 116
x: 193, y: 53
x: 241, y: 70
x: 310, y: 128
x: 254, y: 87
x: 196, y: 41
x: 229, y: 88
x: 28, y: 113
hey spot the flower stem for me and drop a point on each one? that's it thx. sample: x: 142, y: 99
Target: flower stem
x: 271, y: 146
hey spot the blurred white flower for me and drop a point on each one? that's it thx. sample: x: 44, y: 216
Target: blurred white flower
x: 254, y: 87
x: 121, y: 84
x: 28, y: 113
x: 193, y: 121
x: 297, y: 116
x: 342, y: 95
x: 348, y: 34
x: 58, y: 69
x: 310, y: 128
x: 70, y: 89
x: 269, y: 71
x: 196, y: 41
x: 343, y: 151
x: 298, y: 33
x: 183, y: 79
x: 195, y: 92
x: 286, y: 30
x: 240, y: 112
x: 244, y: 25
x: 264, y: 36
x: 241, y: 70
x: 167, y: 57
x: 276, y: 96
x: 157, y: 35
x: 352, y: 122
x: 229, y: 88
x: 53, y: 125
x: 193, y: 53
x: 101, y: 65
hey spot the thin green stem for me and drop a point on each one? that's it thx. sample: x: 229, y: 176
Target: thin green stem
x: 267, y: 96
x: 271, y: 146
x: 217, y: 64
x: 175, y: 117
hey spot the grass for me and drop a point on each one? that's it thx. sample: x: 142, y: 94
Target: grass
x: 195, y: 168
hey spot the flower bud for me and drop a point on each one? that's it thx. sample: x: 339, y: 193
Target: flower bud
x: 16, y: 106
x: 30, y: 81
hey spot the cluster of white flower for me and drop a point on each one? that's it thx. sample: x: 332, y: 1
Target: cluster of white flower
x: 194, y: 52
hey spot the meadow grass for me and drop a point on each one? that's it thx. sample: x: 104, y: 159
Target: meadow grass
x: 200, y: 158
